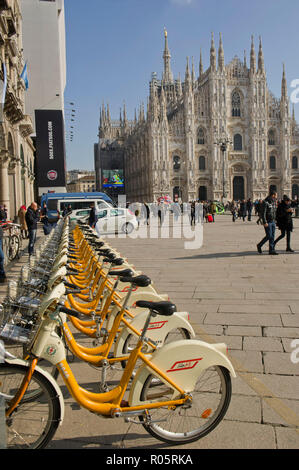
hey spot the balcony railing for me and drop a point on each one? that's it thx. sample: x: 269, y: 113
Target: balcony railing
x: 12, y: 107
x: 26, y: 126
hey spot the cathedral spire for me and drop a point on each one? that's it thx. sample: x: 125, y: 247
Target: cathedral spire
x: 200, y: 64
x: 179, y: 85
x: 103, y: 115
x: 193, y: 72
x: 284, y: 90
x: 188, y: 83
x: 245, y: 60
x: 125, y: 115
x: 213, y: 54
x: 108, y: 114
x: 220, y: 54
x: 252, y: 57
x: 167, y: 75
x: 261, y: 65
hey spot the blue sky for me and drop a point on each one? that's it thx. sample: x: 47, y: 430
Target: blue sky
x: 113, y: 46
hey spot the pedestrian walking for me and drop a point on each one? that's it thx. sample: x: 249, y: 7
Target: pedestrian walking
x: 2, y: 214
x: 249, y: 207
x: 67, y: 210
x: 259, y: 209
x: 32, y: 217
x: 243, y: 210
x: 268, y: 216
x: 161, y: 213
x: 2, y: 271
x: 233, y: 209
x: 147, y: 214
x: 213, y: 210
x: 192, y: 213
x: 284, y: 221
x: 22, y: 221
x: 47, y: 227
x: 92, y: 219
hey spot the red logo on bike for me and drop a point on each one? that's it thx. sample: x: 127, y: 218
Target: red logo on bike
x: 184, y: 365
x: 157, y: 325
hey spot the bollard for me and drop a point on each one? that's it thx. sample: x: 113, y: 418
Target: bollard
x: 2, y: 424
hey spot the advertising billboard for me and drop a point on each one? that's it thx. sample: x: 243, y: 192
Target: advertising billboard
x: 50, y: 148
x: 113, y: 179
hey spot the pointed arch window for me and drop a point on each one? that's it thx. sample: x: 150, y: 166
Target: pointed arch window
x: 176, y: 163
x: 236, y: 104
x: 272, y: 162
x: 271, y: 137
x: 238, y: 145
x: 202, y: 163
x: 22, y: 156
x: 201, y: 136
x: 295, y: 163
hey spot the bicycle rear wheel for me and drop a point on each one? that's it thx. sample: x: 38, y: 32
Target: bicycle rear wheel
x: 192, y: 421
x: 35, y: 420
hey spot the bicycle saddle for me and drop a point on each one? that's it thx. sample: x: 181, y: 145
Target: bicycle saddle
x: 140, y: 281
x: 115, y: 261
x: 124, y: 272
x: 104, y: 251
x: 163, y: 307
x: 99, y: 243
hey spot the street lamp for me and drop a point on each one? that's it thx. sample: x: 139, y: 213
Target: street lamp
x: 223, y: 142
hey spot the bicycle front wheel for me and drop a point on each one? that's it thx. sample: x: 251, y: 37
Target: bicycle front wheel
x: 34, y: 422
x: 192, y: 421
x: 13, y: 247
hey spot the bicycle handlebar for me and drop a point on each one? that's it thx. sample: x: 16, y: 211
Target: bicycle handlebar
x: 68, y: 311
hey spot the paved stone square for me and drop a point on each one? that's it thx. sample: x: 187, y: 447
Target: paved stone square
x: 233, y: 295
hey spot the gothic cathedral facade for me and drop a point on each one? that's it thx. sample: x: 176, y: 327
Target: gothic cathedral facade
x: 219, y: 136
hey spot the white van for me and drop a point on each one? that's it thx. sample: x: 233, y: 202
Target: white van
x: 58, y: 201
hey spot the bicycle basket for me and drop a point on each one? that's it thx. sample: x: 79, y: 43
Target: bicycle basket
x: 18, y: 323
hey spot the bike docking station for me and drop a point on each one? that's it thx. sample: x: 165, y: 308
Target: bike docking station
x: 175, y: 386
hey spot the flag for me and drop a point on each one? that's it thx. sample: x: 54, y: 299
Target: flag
x: 24, y: 76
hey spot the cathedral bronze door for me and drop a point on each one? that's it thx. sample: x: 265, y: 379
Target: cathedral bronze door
x: 238, y: 188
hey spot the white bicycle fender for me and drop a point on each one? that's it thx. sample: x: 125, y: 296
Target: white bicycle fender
x: 183, y: 362
x: 22, y: 362
x: 158, y: 329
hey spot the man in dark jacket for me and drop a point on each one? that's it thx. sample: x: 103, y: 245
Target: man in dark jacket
x: 249, y: 206
x: 285, y: 221
x: 32, y: 217
x: 268, y: 217
x: 2, y: 272
x: 243, y: 210
x: 92, y: 220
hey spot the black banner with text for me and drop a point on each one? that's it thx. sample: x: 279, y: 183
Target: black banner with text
x: 50, y: 148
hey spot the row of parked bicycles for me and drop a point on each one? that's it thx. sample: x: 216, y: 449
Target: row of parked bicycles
x: 176, y: 386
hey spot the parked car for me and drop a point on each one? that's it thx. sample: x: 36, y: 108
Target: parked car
x: 116, y: 220
x: 80, y: 214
